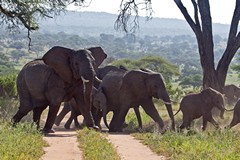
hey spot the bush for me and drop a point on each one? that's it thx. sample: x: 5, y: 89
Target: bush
x: 8, y: 85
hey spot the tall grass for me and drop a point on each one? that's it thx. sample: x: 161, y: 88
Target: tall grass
x: 95, y: 146
x: 23, y: 142
x: 204, y: 145
x: 209, y: 145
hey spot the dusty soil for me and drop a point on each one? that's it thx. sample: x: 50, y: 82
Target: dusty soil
x: 63, y: 146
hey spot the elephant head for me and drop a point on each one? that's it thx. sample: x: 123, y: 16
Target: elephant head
x: 156, y: 88
x: 100, y: 102
x: 70, y: 64
x: 214, y: 99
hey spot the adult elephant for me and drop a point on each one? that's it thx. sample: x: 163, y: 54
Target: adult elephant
x: 132, y: 89
x: 195, y: 105
x: 60, y: 75
x: 232, y: 93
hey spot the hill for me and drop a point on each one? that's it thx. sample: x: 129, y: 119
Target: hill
x: 94, y: 23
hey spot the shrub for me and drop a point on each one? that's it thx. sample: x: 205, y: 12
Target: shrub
x: 8, y: 85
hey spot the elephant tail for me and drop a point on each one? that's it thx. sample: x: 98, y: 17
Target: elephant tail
x: 177, y: 111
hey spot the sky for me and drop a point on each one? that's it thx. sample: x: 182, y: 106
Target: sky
x: 221, y: 10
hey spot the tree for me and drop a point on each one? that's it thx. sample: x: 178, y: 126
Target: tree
x: 213, y: 76
x: 15, y: 14
x: 154, y: 63
x: 236, y: 67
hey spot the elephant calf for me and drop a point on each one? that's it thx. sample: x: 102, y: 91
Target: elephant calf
x: 195, y: 105
x: 232, y: 93
x: 236, y: 115
x: 74, y: 108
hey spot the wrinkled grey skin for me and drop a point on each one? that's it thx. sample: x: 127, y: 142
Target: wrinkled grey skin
x: 100, y: 72
x: 72, y: 106
x: 59, y: 76
x: 100, y: 102
x: 195, y: 105
x: 236, y: 115
x: 232, y: 93
x: 132, y: 89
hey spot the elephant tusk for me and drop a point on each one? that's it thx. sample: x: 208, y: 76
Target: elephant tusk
x: 84, y: 80
x: 97, y: 79
x: 166, y: 102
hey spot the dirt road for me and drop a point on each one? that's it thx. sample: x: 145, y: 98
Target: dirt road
x: 63, y: 146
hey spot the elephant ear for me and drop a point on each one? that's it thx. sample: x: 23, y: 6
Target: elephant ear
x: 207, y: 95
x: 98, y: 54
x: 58, y: 58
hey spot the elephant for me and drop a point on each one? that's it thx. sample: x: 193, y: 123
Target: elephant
x: 100, y: 72
x: 131, y: 89
x: 72, y: 106
x: 61, y: 74
x: 232, y: 93
x: 236, y: 115
x: 195, y: 105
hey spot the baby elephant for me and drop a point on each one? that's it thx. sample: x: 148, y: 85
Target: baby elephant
x: 195, y: 105
x: 236, y: 115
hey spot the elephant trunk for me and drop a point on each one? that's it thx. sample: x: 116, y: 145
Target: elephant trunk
x: 222, y: 112
x: 88, y: 85
x: 168, y: 105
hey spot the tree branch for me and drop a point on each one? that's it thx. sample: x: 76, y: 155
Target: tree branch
x: 187, y: 16
x: 127, y: 19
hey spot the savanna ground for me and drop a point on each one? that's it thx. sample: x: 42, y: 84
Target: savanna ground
x: 25, y: 142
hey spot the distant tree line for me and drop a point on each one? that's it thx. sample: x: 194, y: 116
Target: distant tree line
x: 177, y: 50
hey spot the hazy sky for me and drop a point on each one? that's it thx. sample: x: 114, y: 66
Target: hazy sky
x: 221, y: 10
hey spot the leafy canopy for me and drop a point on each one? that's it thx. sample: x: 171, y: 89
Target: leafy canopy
x: 154, y: 63
x: 26, y: 13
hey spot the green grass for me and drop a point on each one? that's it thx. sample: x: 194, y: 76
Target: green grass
x: 209, y: 145
x: 95, y: 146
x: 204, y: 145
x: 23, y: 142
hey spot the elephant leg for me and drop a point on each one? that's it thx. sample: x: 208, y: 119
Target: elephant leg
x: 151, y: 110
x: 62, y: 114
x: 68, y: 123
x: 76, y: 123
x: 137, y: 112
x: 234, y: 121
x: 204, y: 126
x: 186, y: 123
x: 22, y: 111
x: 52, y: 113
x: 97, y: 116
x: 121, y: 119
x: 211, y: 120
x: 37, y: 112
x: 84, y: 109
x: 75, y: 112
x: 112, y: 125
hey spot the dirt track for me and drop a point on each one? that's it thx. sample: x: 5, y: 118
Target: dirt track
x: 63, y: 146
